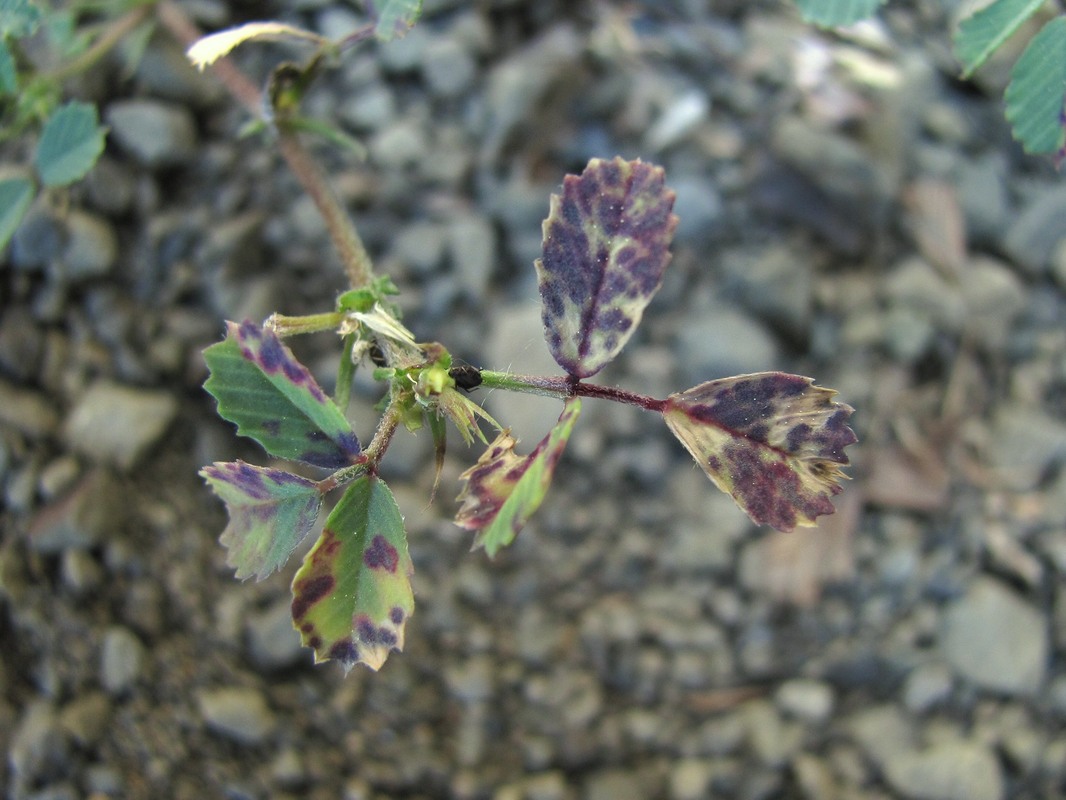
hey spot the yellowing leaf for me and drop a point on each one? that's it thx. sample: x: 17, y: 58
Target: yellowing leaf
x: 775, y: 442
x: 351, y: 597
x: 503, y: 489
x: 211, y: 48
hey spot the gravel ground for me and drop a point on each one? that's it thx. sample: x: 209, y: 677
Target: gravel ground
x: 849, y: 210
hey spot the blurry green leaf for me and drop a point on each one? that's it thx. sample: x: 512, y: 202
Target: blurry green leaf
x: 833, y: 13
x: 981, y: 33
x: 16, y: 194
x: 272, y: 398
x: 70, y: 143
x: 18, y: 18
x: 270, y: 512
x: 606, y: 243
x: 775, y: 442
x: 1035, y: 95
x: 9, y: 79
x: 65, y: 36
x: 135, y: 45
x: 395, y: 18
x: 504, y: 489
x: 331, y: 133
x: 352, y: 595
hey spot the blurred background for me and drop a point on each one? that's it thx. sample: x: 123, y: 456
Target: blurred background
x: 849, y: 211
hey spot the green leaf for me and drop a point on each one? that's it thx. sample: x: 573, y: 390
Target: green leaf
x: 395, y: 18
x: 70, y: 143
x: 19, y: 18
x: 504, y: 489
x: 9, y: 79
x: 331, y: 133
x: 775, y: 442
x: 981, y: 33
x: 272, y: 398
x: 1035, y: 93
x: 352, y: 595
x: 606, y: 244
x: 270, y: 512
x: 16, y: 194
x: 832, y: 13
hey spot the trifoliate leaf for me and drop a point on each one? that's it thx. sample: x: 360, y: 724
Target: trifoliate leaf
x: 16, y: 194
x: 352, y: 595
x: 70, y: 143
x: 270, y: 512
x: 211, y: 48
x: 1035, y: 95
x: 775, y: 442
x: 606, y: 244
x: 503, y: 489
x: 272, y: 398
x: 981, y: 33
x: 395, y: 18
x: 833, y: 13
x: 19, y: 18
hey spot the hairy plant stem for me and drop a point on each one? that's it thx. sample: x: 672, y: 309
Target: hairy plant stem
x: 563, y: 387
x: 342, y: 232
x: 284, y: 325
x: 114, y: 33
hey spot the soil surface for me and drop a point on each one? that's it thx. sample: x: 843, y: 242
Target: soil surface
x: 849, y: 210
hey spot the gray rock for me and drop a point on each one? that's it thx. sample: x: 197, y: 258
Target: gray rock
x: 927, y: 686
x: 954, y: 770
x: 120, y: 660
x: 406, y: 53
x: 157, y: 134
x: 807, y: 700
x: 91, y: 510
x: 717, y: 341
x: 81, y: 572
x: 915, y: 285
x: 992, y: 637
x: 237, y: 713
x: 681, y: 116
x: 400, y: 144
x: 22, y: 345
x: 111, y: 186
x: 38, y: 241
x: 471, y: 681
x: 775, y: 283
x: 447, y: 67
x: 1033, y: 236
x: 272, y: 641
x: 698, y: 206
x: 518, y: 82
x: 473, y: 247
x: 86, y: 718
x: 92, y: 247
x: 773, y: 740
x: 994, y: 297
x: 615, y: 784
x: 982, y: 194
x: 1024, y: 443
x: 882, y: 732
x: 814, y: 778
x: 371, y: 108
x: 118, y: 424
x: 420, y: 246
x: 38, y: 748
x: 27, y: 411
x: 689, y: 778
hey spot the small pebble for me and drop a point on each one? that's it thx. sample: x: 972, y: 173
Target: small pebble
x: 239, y: 714
x: 120, y: 660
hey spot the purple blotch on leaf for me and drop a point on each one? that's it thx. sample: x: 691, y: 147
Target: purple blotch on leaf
x: 381, y: 555
x: 308, y: 592
x: 396, y: 614
x: 344, y: 651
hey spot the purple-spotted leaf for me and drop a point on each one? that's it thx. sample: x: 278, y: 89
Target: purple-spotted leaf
x: 270, y: 512
x: 352, y: 595
x: 606, y: 244
x: 775, y: 442
x: 272, y: 398
x: 503, y: 489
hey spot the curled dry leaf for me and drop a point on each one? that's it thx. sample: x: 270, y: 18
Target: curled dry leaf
x: 773, y: 441
x: 210, y: 49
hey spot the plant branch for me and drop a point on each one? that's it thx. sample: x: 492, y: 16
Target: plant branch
x: 563, y: 387
x: 113, y: 34
x: 345, y: 238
